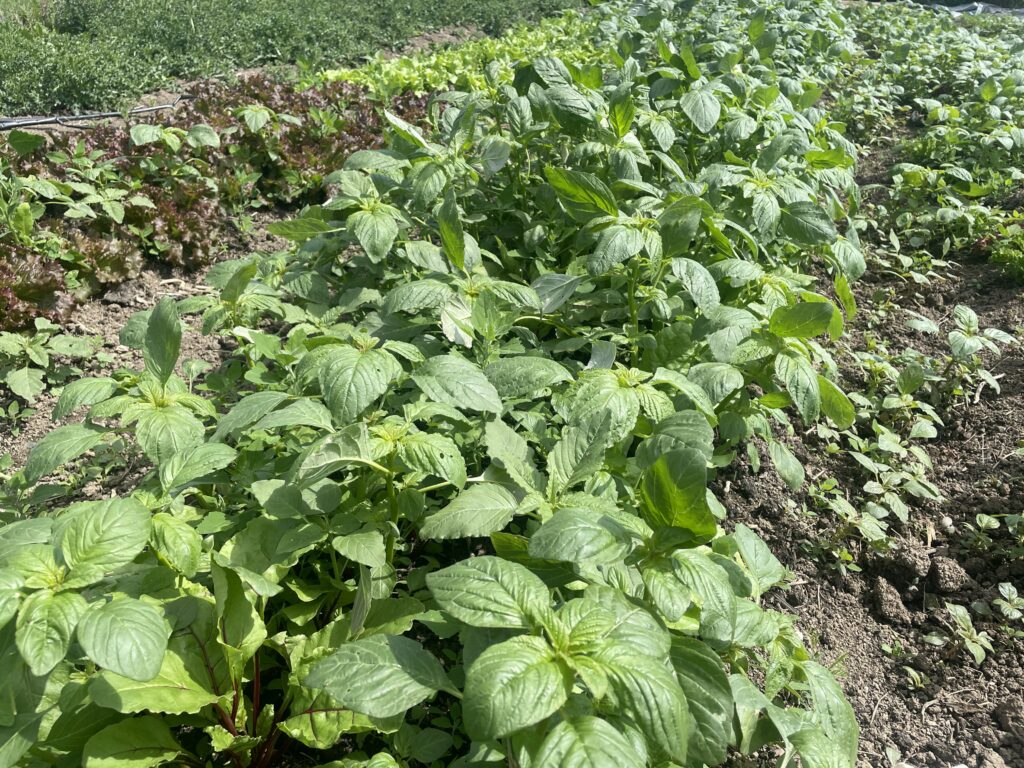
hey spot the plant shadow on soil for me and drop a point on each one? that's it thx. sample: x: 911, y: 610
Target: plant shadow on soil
x: 963, y: 714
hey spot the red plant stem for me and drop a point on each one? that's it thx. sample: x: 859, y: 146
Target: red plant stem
x: 225, y: 720
x: 255, y: 689
x: 266, y: 751
x: 234, y: 702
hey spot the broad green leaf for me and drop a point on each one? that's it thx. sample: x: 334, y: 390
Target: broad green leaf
x: 351, y: 380
x: 242, y: 628
x: 488, y: 591
x: 695, y: 393
x: 138, y: 742
x: 763, y: 565
x: 98, y: 537
x: 836, y: 404
x: 806, y: 223
x: 709, y: 584
x: 45, y: 625
x: 59, y: 447
x: 406, y: 130
x: 801, y: 382
x: 704, y: 680
x: 144, y: 133
x: 177, y: 543
x: 126, y: 636
x: 702, y: 107
x: 525, y: 375
x: 416, y: 296
x: 81, y: 393
x: 683, y: 429
x: 571, y: 106
x: 616, y: 245
x: 766, y: 212
x: 182, y: 685
x: 300, y: 230
x: 25, y: 143
x: 581, y: 536
x: 163, y: 340
x: 434, y: 454
x: 454, y: 380
x: 552, y: 71
x: 453, y: 239
x: 787, y: 465
x: 583, y: 194
x: 342, y: 449
x: 577, y: 456
x: 698, y: 282
x: 247, y: 411
x: 317, y: 720
x: 649, y: 693
x: 587, y: 742
x: 554, y: 290
x: 674, y: 493
x: 379, y: 676
x: 376, y: 230
x: 304, y: 412
x: 680, y: 222
x: 718, y: 380
x: 10, y: 600
x: 203, y: 136
x: 364, y: 547
x: 27, y: 383
x: 802, y: 321
x: 833, y: 711
x: 185, y: 467
x: 480, y: 510
x: 602, y: 398
x: 989, y: 89
x: 663, y: 588
x: 166, y: 430
x: 621, y: 112
x: 513, y: 685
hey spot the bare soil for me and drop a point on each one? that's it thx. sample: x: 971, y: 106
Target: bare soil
x: 962, y: 713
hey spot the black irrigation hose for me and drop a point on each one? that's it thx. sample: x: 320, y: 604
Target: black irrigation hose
x: 69, y: 120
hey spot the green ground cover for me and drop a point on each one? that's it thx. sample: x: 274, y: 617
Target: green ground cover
x: 79, y: 55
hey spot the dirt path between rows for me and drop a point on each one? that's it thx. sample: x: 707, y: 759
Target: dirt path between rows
x: 959, y: 713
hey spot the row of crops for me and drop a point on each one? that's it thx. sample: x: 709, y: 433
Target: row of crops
x: 84, y: 55
x: 454, y: 495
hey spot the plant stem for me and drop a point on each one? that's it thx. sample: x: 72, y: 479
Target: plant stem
x: 393, y: 509
x: 634, y: 312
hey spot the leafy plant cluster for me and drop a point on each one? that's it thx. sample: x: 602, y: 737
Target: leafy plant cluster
x: 448, y: 501
x: 569, y: 37
x: 92, y: 54
x: 103, y: 204
x: 27, y: 362
x: 957, y: 177
x: 900, y: 405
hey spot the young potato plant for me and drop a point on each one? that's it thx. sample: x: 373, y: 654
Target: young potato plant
x: 448, y: 502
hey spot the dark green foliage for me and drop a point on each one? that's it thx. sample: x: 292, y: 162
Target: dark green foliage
x: 94, y: 54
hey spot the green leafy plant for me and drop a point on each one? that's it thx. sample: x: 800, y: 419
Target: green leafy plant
x: 448, y: 499
x: 30, y: 363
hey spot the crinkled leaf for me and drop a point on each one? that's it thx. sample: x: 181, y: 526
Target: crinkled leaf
x: 488, y: 591
x: 126, y: 636
x: 480, y: 510
x: 511, y: 686
x: 379, y: 676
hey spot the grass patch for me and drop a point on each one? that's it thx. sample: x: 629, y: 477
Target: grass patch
x: 95, y: 54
